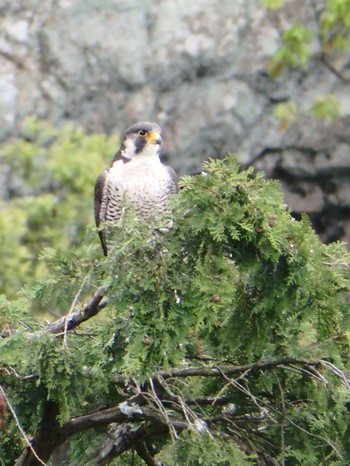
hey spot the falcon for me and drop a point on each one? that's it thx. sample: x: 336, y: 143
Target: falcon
x: 136, y: 176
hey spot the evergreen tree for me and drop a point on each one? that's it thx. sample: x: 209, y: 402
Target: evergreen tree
x: 221, y: 341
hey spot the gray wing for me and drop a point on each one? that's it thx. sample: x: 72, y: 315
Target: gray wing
x: 174, y: 179
x: 98, y: 198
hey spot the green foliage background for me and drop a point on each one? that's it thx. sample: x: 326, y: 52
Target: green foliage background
x: 54, y: 170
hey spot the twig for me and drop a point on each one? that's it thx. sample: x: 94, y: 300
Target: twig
x: 311, y: 372
x: 180, y: 404
x: 157, y: 401
x: 20, y: 428
x: 230, y: 382
x: 25, y: 325
x: 283, y: 417
x: 11, y: 370
x: 313, y: 346
x: 36, y: 301
x: 315, y: 436
x: 336, y: 371
x: 74, y: 303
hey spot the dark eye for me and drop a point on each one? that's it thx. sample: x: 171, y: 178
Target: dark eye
x: 142, y: 132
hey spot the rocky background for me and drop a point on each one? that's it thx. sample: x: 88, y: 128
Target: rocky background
x: 198, y: 68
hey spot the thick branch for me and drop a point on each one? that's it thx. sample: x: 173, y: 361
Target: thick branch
x: 123, y: 438
x: 116, y: 441
x: 45, y: 439
x: 50, y: 435
x: 92, y: 307
x: 145, y: 455
x: 114, y: 414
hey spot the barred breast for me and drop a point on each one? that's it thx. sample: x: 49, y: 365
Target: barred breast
x: 144, y: 184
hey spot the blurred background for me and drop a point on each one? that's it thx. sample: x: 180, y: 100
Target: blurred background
x: 267, y: 80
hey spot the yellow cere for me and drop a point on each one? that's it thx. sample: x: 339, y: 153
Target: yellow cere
x: 153, y: 136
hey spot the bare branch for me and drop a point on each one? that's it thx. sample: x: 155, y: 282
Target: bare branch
x: 123, y: 438
x: 46, y: 438
x: 210, y: 400
x: 336, y: 371
x: 92, y: 307
x: 112, y: 414
x: 282, y: 425
x: 159, y: 403
x: 229, y: 369
x: 145, y: 455
x: 71, y: 310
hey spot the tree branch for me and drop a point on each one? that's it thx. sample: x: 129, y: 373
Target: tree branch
x: 123, y: 438
x: 50, y: 434
x: 145, y: 455
x: 112, y: 414
x: 213, y: 371
x: 45, y: 439
x: 92, y: 307
x: 171, y: 420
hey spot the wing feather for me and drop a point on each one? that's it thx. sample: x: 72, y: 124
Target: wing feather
x: 174, y: 179
x: 98, y: 200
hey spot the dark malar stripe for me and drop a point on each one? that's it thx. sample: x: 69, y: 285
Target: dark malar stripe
x: 139, y: 145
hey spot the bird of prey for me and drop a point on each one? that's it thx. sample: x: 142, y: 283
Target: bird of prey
x: 136, y: 176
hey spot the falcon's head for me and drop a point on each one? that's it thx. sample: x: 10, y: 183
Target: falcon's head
x: 143, y: 138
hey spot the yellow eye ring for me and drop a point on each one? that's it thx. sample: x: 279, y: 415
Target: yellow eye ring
x: 142, y: 132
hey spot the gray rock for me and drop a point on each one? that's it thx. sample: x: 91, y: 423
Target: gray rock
x: 198, y: 68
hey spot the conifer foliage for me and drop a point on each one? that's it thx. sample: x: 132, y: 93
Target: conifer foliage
x: 221, y: 340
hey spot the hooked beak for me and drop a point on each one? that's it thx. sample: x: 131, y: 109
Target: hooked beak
x: 155, y: 138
